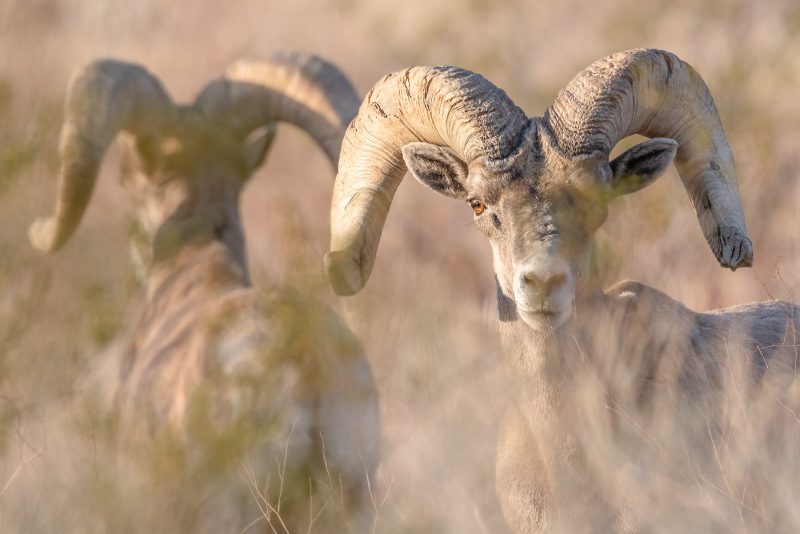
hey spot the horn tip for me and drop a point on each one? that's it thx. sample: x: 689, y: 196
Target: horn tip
x: 736, y: 250
x: 344, y: 273
x: 42, y: 234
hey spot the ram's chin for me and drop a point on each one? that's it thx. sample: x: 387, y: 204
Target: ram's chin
x: 544, y: 321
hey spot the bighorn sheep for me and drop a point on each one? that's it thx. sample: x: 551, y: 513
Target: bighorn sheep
x: 539, y: 188
x: 225, y: 374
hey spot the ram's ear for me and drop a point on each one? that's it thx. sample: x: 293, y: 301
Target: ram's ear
x: 256, y: 147
x: 437, y: 167
x: 639, y: 166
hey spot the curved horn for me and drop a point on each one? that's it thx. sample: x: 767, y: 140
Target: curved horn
x: 299, y: 88
x: 654, y: 93
x: 103, y: 98
x: 439, y: 105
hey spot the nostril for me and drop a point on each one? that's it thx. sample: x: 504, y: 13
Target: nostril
x: 531, y: 279
x: 556, y: 281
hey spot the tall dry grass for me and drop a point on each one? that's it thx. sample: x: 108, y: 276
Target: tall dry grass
x: 427, y: 317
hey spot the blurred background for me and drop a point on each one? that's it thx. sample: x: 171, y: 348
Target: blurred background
x: 427, y: 317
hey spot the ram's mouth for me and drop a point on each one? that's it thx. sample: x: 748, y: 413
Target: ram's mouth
x: 544, y: 318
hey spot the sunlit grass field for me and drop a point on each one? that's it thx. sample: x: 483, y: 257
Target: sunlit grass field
x: 427, y: 318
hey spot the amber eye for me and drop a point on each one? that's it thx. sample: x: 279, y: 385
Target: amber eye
x: 477, y: 206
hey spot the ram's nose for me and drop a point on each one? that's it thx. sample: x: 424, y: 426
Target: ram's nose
x: 543, y: 283
x: 538, y: 280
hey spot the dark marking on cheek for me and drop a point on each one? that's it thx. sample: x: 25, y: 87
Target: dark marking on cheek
x: 219, y: 230
x: 706, y: 202
x: 496, y: 221
x: 506, y: 308
x: 714, y: 166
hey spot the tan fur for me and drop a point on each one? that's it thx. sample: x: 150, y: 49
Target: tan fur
x: 648, y: 356
x: 543, y: 186
x: 254, y: 399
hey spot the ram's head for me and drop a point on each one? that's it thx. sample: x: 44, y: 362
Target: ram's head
x: 539, y: 187
x: 185, y: 165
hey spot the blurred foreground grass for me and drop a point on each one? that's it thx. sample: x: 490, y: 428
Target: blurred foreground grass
x: 427, y: 318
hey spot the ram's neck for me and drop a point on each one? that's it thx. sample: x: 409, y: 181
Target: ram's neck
x: 536, y: 359
x: 197, y: 270
x: 200, y: 237
x: 545, y: 366
x: 544, y: 362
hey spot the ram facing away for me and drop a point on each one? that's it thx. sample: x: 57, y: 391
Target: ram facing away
x: 610, y: 383
x: 259, y: 406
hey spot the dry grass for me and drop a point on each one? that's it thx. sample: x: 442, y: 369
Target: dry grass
x: 427, y: 318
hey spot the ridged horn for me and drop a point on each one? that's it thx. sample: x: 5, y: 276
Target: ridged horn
x: 302, y: 89
x: 103, y: 98
x: 440, y: 105
x: 655, y: 94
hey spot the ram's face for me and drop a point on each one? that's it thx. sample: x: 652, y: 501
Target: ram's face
x: 540, y: 215
x: 541, y: 226
x: 541, y: 236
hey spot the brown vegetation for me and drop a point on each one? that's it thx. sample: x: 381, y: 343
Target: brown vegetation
x: 436, y: 359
